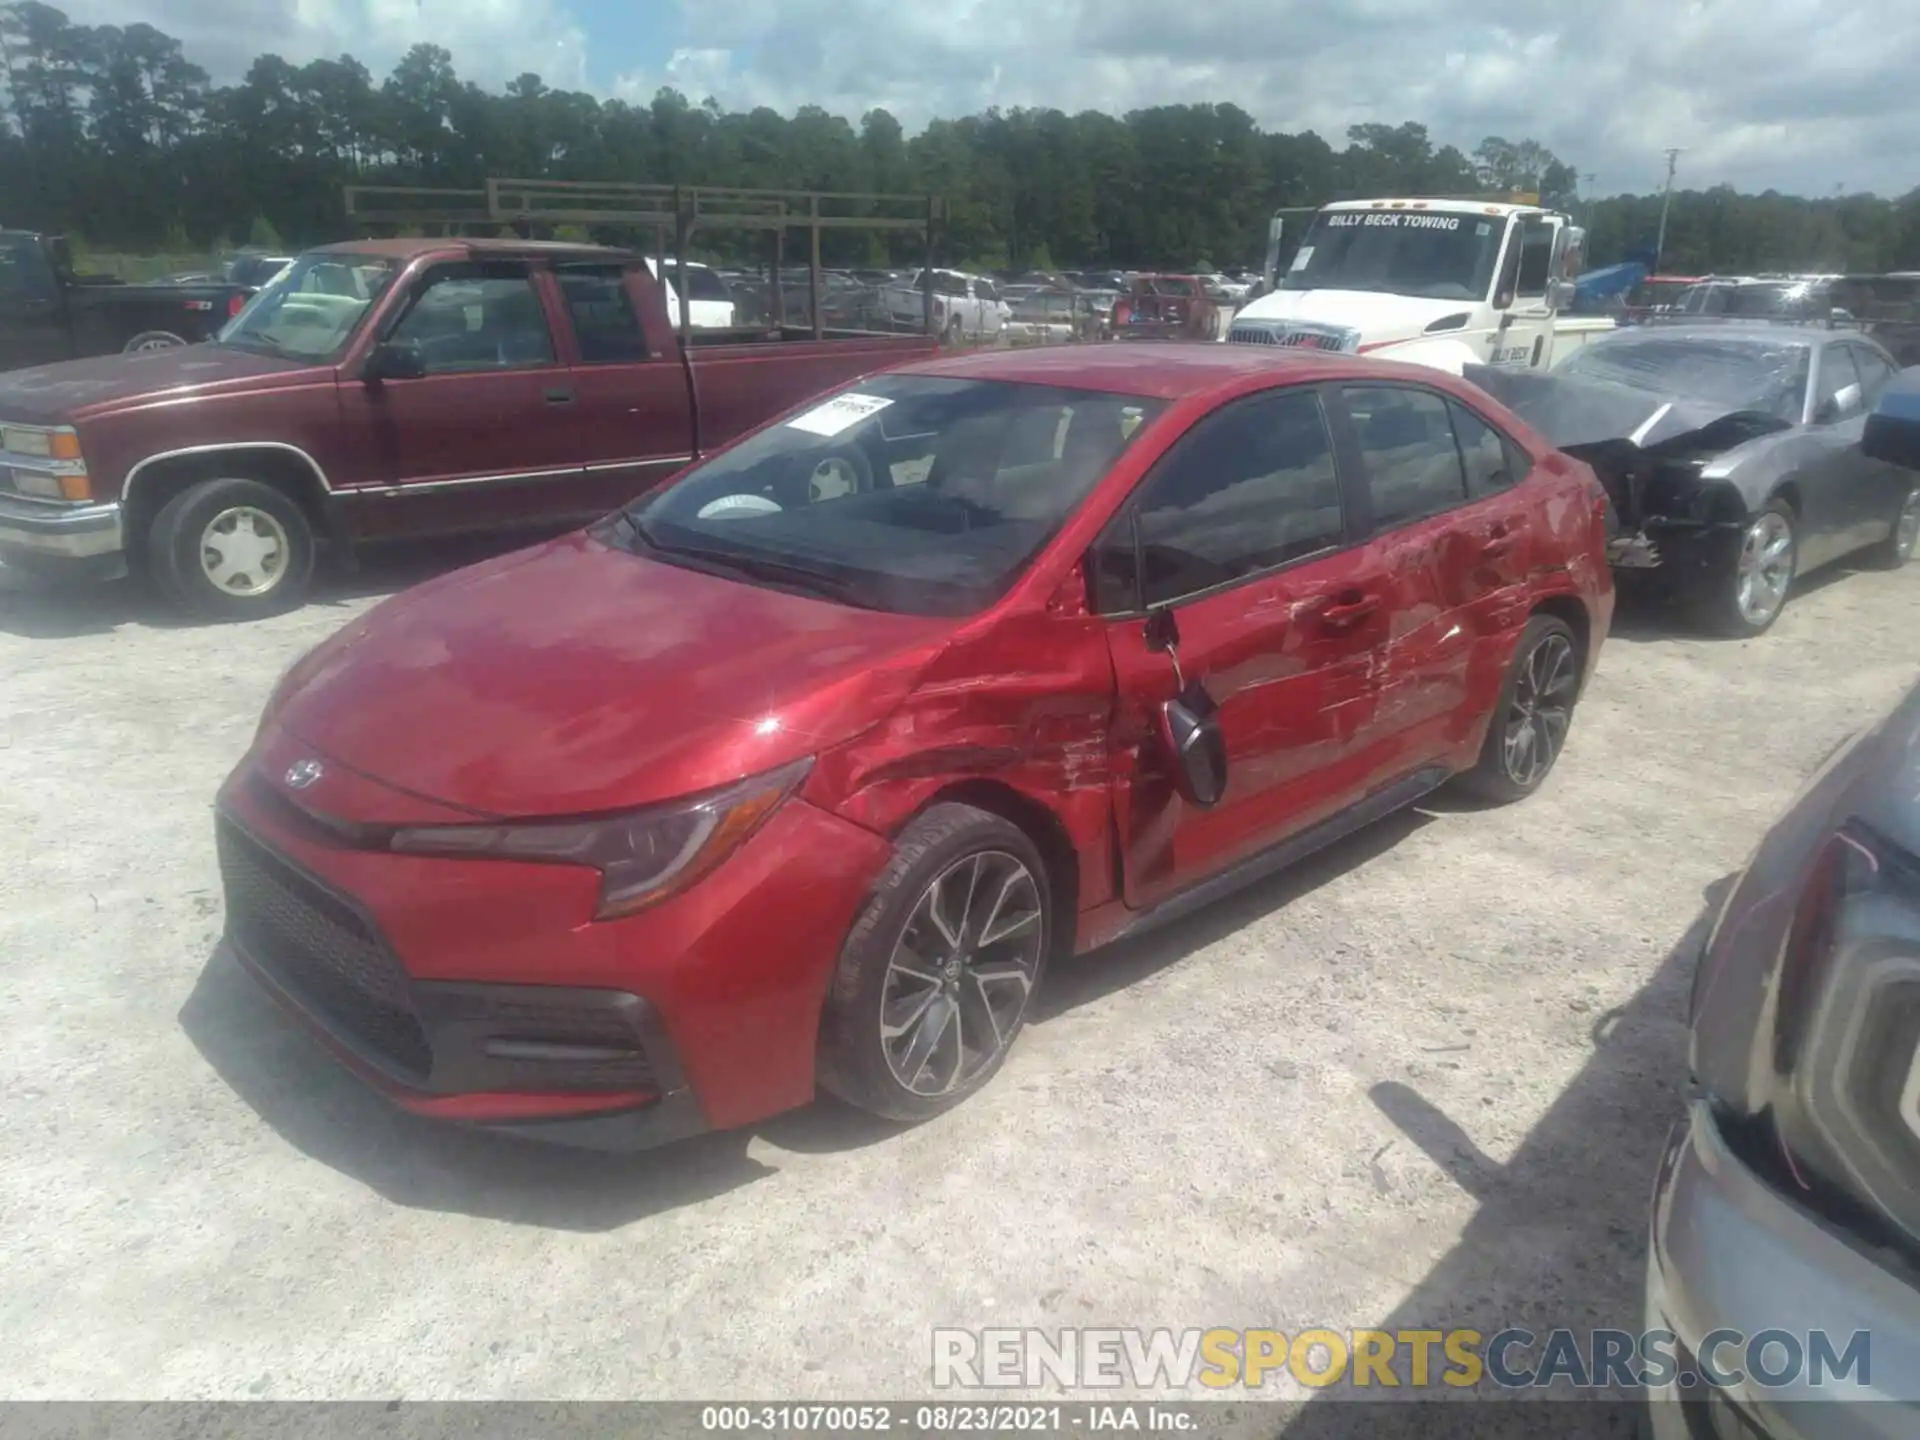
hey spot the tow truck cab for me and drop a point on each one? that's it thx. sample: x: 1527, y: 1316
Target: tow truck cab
x: 1445, y: 283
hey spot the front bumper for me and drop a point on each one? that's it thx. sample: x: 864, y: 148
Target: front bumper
x: 483, y: 991
x: 1682, y: 552
x: 61, y: 538
x: 1728, y: 1252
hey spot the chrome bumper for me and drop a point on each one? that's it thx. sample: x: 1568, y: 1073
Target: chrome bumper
x: 67, y: 532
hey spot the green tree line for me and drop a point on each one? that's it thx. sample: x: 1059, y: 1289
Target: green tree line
x: 114, y: 134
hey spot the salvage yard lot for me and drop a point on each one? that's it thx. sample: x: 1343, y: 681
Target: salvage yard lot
x: 1423, y: 1079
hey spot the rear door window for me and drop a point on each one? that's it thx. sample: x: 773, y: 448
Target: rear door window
x: 604, y: 321
x: 1413, y: 463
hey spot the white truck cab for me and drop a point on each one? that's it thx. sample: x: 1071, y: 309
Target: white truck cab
x: 1444, y: 283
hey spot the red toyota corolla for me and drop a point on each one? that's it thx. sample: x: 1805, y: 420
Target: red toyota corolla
x: 797, y: 772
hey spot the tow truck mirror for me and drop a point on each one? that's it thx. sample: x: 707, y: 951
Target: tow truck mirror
x: 1560, y: 294
x: 394, y: 360
x: 60, y: 255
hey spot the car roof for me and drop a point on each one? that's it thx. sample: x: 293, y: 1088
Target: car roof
x: 406, y: 248
x: 1165, y: 371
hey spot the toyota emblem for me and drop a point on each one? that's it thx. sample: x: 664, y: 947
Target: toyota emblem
x: 303, y: 773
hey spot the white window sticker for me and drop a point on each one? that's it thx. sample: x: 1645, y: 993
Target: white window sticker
x: 840, y: 413
x: 1301, y: 257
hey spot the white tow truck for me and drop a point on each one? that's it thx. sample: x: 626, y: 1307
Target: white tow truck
x: 1444, y: 283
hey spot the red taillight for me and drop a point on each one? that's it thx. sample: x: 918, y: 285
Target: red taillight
x: 236, y: 302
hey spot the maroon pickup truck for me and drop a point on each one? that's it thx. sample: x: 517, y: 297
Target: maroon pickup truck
x: 384, y: 389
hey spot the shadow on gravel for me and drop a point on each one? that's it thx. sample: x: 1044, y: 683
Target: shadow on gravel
x: 1085, y: 978
x: 1560, y: 1236
x: 324, y: 1111
x: 1642, y: 615
x: 37, y: 608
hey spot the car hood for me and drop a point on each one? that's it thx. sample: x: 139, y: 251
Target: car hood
x: 1379, y: 319
x: 574, y: 678
x: 75, y: 389
x: 1574, y: 413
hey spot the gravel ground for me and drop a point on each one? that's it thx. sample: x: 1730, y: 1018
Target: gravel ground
x: 1423, y: 1079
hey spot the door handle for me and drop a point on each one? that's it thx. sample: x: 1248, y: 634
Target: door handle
x: 559, y: 395
x: 1342, y: 608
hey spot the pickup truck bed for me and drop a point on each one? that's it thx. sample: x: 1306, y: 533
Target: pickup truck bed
x: 387, y: 389
x: 48, y: 313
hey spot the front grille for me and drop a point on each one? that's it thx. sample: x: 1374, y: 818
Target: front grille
x: 316, y: 945
x: 1296, y: 338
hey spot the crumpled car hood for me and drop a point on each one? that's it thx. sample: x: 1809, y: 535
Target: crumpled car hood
x: 1572, y: 412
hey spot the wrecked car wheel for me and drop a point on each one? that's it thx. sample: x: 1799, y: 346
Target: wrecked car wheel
x: 1894, y: 551
x: 935, y: 976
x: 1751, y: 595
x: 1529, y: 727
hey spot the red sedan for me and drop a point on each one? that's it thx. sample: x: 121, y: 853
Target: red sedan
x: 798, y: 771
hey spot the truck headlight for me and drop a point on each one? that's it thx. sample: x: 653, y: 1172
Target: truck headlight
x: 58, y: 443
x: 643, y: 856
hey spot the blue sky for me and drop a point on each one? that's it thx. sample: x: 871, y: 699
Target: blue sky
x: 1798, y: 95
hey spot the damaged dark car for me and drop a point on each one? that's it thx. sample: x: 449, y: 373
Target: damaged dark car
x: 1731, y: 454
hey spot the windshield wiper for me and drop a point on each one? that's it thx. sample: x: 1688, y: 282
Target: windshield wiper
x: 757, y: 567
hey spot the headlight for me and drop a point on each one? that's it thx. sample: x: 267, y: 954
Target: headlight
x: 643, y: 856
x: 59, y: 443
x: 1848, y: 1027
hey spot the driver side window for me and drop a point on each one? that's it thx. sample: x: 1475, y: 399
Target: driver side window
x: 1837, y: 389
x: 477, y: 317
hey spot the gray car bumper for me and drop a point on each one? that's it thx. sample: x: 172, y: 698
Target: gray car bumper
x: 1728, y: 1252
x: 61, y: 538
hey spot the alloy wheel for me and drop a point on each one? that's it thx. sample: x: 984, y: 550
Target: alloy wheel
x: 1540, y: 710
x: 1906, y: 529
x: 958, y: 979
x: 1765, y: 568
x: 244, y: 551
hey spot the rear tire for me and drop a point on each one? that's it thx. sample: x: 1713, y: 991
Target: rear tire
x: 974, y: 958
x: 1530, y: 724
x: 232, y: 549
x: 1894, y: 551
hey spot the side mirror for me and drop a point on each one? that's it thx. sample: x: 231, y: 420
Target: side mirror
x: 1846, y: 401
x: 1190, y: 729
x: 60, y: 255
x: 1560, y: 294
x: 394, y: 360
x: 1189, y: 724
x: 1503, y: 300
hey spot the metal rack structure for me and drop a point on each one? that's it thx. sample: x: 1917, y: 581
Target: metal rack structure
x: 675, y: 212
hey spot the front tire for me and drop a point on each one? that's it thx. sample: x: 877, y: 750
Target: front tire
x: 232, y: 549
x: 935, y: 977
x: 1745, y: 599
x: 1894, y: 551
x: 1529, y: 727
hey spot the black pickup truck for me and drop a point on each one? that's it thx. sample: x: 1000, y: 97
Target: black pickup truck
x: 48, y: 313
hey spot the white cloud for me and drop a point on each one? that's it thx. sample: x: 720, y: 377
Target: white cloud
x: 492, y: 40
x: 1794, y: 94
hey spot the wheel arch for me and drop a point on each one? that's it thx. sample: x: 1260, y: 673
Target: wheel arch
x: 154, y: 481
x: 1042, y: 826
x: 1572, y: 610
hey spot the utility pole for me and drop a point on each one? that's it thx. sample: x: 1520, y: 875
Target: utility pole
x: 1666, y: 199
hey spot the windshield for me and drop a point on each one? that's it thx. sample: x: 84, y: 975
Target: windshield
x: 910, y: 493
x: 312, y: 309
x: 1770, y: 378
x: 1432, y: 254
